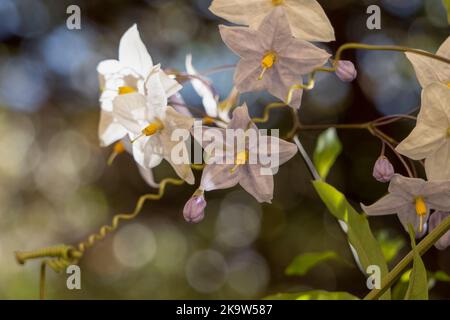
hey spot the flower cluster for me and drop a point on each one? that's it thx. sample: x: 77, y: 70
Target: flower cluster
x: 410, y: 198
x: 142, y: 111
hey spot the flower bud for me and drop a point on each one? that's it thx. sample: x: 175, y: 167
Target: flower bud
x: 435, y: 219
x: 346, y: 71
x: 383, y: 171
x: 194, y: 209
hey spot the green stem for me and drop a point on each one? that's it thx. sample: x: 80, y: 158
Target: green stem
x: 421, y: 248
x: 362, y: 46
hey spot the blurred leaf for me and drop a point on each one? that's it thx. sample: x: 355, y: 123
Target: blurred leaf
x: 441, y: 276
x: 328, y: 148
x: 418, y: 283
x: 366, y: 249
x: 313, y: 295
x: 305, y: 262
x: 447, y: 6
x: 389, y: 246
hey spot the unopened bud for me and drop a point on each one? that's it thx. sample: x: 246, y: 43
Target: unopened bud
x: 346, y: 71
x: 383, y: 171
x: 194, y: 209
x: 435, y: 220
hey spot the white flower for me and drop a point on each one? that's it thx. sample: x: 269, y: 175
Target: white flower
x: 306, y: 18
x: 150, y: 123
x: 430, y: 70
x: 128, y: 74
x: 430, y: 139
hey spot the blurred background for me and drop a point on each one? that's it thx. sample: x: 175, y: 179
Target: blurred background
x: 55, y: 186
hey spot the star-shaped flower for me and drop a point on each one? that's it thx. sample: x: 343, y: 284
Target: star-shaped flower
x: 430, y: 70
x: 271, y: 58
x: 306, y: 18
x: 233, y: 159
x: 150, y: 123
x: 430, y: 139
x: 128, y: 74
x: 412, y: 199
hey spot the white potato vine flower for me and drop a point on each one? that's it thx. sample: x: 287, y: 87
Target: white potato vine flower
x: 125, y: 75
x: 306, y: 18
x: 247, y: 166
x: 430, y: 139
x: 271, y: 58
x: 150, y: 124
x: 430, y: 70
x: 412, y: 199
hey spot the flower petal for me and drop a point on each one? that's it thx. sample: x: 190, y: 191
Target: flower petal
x: 258, y: 185
x: 205, y: 91
x: 406, y: 187
x: 240, y: 118
x: 219, y: 176
x: 240, y: 12
x: 433, y: 122
x: 274, y: 31
x: 308, y: 20
x: 243, y: 41
x: 389, y: 204
x: 247, y: 74
x: 109, y: 131
x: 435, y: 220
x: 133, y: 53
x: 437, y: 165
x: 280, y: 82
x: 302, y: 57
x: 130, y: 111
x: 147, y: 175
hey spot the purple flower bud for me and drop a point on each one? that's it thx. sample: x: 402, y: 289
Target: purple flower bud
x: 346, y: 71
x: 383, y: 171
x: 194, y: 209
x: 435, y: 219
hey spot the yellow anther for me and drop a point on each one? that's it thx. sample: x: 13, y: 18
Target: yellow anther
x: 277, y: 2
x: 119, y: 147
x: 267, y: 62
x: 421, y: 206
x: 448, y: 84
x: 126, y: 89
x: 208, y: 120
x: 421, y: 211
x: 241, y: 159
x: 152, y: 128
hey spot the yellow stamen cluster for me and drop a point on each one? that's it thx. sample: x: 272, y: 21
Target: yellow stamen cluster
x: 152, y: 128
x: 277, y: 2
x: 267, y: 62
x: 421, y: 211
x: 126, y: 89
x: 119, y: 148
x: 448, y: 84
x: 241, y: 159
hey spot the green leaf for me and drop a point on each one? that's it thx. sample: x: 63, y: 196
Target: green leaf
x: 389, y: 246
x: 357, y: 228
x: 447, y: 6
x: 328, y: 148
x: 418, y: 283
x: 305, y: 262
x: 313, y: 295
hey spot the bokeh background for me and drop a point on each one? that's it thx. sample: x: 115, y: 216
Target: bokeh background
x: 56, y: 188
